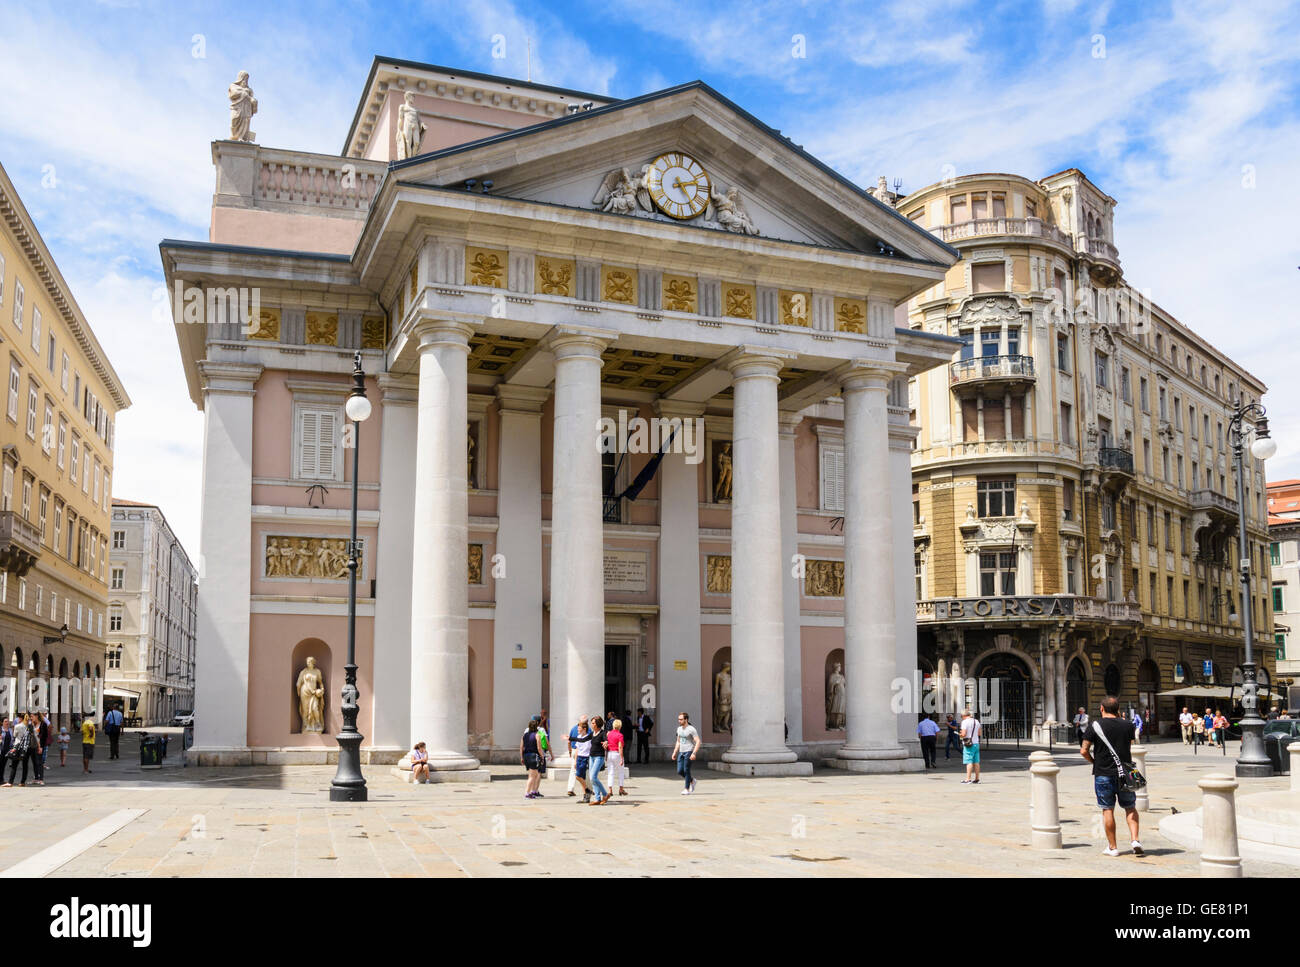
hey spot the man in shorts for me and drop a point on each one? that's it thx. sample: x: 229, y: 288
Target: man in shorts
x: 1119, y: 733
x: 971, y: 731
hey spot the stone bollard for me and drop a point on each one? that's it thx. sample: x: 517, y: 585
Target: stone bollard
x: 1042, y: 755
x: 1045, y: 829
x: 1219, y: 854
x: 1139, y: 754
x: 1294, y: 749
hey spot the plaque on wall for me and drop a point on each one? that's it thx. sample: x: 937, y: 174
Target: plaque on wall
x: 824, y: 579
x: 627, y: 571
x: 291, y: 556
x: 717, y: 573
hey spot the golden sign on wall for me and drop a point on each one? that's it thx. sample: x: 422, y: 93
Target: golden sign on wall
x: 372, y: 333
x: 717, y: 568
x: 823, y: 579
x: 618, y: 285
x: 850, y: 315
x: 322, y: 329
x: 738, y: 301
x: 680, y: 293
x: 268, y: 326
x: 555, y: 277
x: 485, y: 266
x: 796, y: 308
x: 291, y: 556
x: 476, y: 564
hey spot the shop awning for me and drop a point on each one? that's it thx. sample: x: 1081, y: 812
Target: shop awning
x: 1207, y: 691
x: 121, y: 693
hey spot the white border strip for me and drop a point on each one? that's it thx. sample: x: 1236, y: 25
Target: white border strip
x: 65, y: 850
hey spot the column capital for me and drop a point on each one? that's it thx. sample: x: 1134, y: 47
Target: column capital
x: 527, y: 400
x: 749, y: 361
x: 228, y: 379
x: 568, y: 341
x: 397, y: 390
x: 429, y: 332
x: 684, y: 409
x: 872, y: 374
x: 787, y: 422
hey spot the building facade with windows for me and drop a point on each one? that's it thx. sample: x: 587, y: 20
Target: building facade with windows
x: 62, y: 399
x: 152, y: 616
x: 1075, y: 500
x: 524, y: 270
x: 1284, y: 589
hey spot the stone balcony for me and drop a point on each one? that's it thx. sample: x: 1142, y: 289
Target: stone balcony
x: 1104, y: 259
x: 20, y: 543
x: 1209, y: 500
x: 1002, y: 225
x: 998, y: 373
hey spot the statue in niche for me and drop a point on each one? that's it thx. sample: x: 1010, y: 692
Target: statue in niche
x: 242, y: 108
x: 722, y: 699
x: 469, y: 453
x: 410, y: 132
x: 722, y: 479
x: 311, y: 697
x: 835, y: 699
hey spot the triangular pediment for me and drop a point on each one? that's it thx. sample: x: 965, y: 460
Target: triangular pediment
x: 625, y: 158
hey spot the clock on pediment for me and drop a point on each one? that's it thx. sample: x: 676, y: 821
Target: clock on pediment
x: 678, y: 185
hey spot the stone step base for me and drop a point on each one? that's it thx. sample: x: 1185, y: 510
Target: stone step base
x: 763, y: 769
x: 876, y: 766
x: 311, y: 756
x: 1261, y: 841
x: 447, y: 775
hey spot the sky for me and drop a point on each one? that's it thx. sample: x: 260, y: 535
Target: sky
x: 1184, y: 112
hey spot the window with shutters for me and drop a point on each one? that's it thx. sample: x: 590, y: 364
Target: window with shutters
x: 18, y: 305
x: 15, y: 382
x: 317, y: 442
x: 832, y: 477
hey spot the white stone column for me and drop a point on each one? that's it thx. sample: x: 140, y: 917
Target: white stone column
x: 391, y: 725
x: 870, y: 624
x: 1050, y: 712
x: 1220, y: 854
x: 757, y: 572
x: 577, y: 578
x: 679, y: 583
x: 901, y: 437
x: 788, y: 424
x: 225, y: 565
x: 439, y: 566
x: 517, y: 691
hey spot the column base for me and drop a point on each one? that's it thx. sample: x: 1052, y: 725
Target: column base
x: 439, y: 773
x: 875, y: 761
x: 760, y: 770
x: 217, y: 756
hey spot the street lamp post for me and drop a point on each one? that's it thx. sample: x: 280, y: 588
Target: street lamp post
x: 349, y: 784
x: 1253, y: 761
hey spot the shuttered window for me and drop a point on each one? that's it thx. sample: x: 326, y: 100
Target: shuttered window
x: 832, y: 478
x: 318, y: 443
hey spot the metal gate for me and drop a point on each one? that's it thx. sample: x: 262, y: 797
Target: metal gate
x: 1014, y: 714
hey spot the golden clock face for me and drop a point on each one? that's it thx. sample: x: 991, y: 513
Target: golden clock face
x: 678, y: 185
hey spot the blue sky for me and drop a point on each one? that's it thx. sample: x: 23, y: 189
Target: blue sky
x: 1185, y: 112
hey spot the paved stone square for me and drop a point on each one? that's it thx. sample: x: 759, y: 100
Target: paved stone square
x: 279, y: 822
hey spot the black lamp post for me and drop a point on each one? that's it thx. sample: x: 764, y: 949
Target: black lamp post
x: 349, y: 784
x: 1253, y: 761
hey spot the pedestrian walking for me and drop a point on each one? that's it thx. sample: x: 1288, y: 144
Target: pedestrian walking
x: 1198, y: 729
x: 529, y: 756
x: 599, y: 740
x: 1185, y: 725
x: 36, y: 748
x: 113, y: 729
x: 616, y: 743
x: 6, y: 744
x: 686, y: 734
x: 43, y: 730
x: 644, y: 724
x: 1138, y: 722
x: 1080, y: 721
x: 87, y: 743
x: 971, y: 730
x: 1110, y: 768
x: 1221, y: 728
x: 928, y: 729
x: 954, y: 737
x: 18, y: 750
x: 544, y: 741
x: 580, y: 752
x: 420, y: 763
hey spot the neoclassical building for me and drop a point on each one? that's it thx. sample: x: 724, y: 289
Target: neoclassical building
x: 1075, y: 501
x: 524, y: 270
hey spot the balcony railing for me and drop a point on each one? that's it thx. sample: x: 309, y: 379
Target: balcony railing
x: 991, y: 368
x: 20, y: 543
x: 1209, y: 500
x: 974, y: 227
x: 1116, y: 458
x: 1103, y: 250
x: 255, y: 176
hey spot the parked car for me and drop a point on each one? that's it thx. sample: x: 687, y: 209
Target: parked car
x: 183, y: 718
x: 1289, y: 727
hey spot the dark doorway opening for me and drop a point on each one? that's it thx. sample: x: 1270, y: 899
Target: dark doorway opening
x: 616, y: 697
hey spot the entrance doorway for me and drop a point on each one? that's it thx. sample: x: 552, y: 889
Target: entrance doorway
x: 1148, y: 688
x: 1076, y: 690
x: 1009, y: 676
x: 616, y: 693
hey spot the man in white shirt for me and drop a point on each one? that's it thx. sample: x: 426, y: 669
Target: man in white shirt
x: 1185, y: 721
x: 1080, y: 724
x: 970, y: 746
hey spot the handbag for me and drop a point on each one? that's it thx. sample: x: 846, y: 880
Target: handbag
x: 1130, y: 779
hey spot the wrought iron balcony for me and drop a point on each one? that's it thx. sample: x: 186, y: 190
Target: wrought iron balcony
x: 984, y: 370
x: 1117, y: 459
x: 20, y: 543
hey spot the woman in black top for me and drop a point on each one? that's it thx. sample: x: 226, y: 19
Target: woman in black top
x: 599, y: 737
x: 530, y: 754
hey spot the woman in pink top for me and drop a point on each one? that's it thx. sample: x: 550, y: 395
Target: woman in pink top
x: 615, y: 757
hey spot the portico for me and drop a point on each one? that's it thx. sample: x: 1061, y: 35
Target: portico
x: 504, y: 536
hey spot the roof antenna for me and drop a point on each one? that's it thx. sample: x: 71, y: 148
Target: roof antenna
x: 529, y: 42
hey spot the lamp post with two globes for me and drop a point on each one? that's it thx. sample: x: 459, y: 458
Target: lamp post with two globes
x: 1253, y: 761
x: 349, y: 784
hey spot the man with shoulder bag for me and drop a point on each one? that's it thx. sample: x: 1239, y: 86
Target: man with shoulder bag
x: 1113, y: 775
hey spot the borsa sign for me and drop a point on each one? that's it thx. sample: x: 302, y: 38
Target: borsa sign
x: 1044, y: 607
